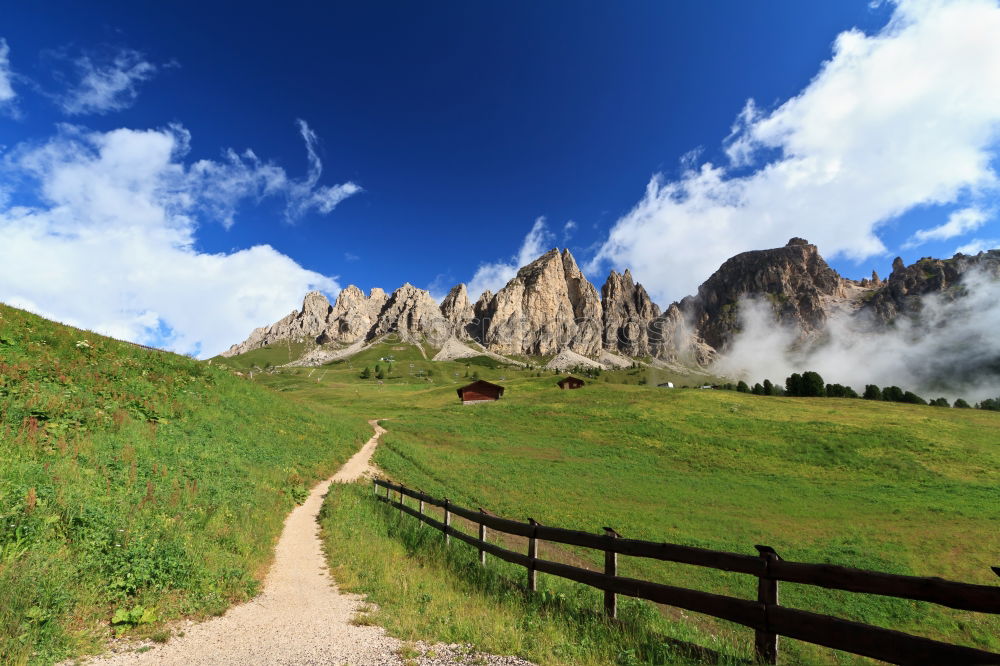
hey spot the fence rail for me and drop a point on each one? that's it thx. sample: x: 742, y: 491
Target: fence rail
x: 765, y: 615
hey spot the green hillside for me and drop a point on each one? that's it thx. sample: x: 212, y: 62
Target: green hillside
x: 884, y: 486
x: 138, y: 486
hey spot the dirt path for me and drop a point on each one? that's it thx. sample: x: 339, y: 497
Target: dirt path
x: 300, y: 617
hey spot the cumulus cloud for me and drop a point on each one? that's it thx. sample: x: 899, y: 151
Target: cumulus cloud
x: 109, y: 85
x: 102, y: 235
x: 905, y: 117
x: 959, y: 223
x: 7, y: 93
x: 493, y: 276
x: 950, y: 349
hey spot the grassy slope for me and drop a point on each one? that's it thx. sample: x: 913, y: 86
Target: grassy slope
x: 885, y: 486
x: 138, y: 481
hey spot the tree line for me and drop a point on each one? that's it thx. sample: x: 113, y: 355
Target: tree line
x: 810, y: 384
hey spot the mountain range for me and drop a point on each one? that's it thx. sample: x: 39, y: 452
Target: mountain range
x: 550, y: 309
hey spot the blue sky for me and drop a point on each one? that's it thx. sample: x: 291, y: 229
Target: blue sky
x: 447, y: 142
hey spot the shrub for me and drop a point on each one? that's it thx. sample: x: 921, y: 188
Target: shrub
x: 940, y: 402
x: 912, y: 398
x: 960, y: 403
x: 742, y: 387
x: 758, y: 389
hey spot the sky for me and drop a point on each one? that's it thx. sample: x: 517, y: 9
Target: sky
x: 177, y: 173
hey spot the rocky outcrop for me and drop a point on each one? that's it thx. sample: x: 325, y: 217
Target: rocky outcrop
x: 457, y: 310
x: 298, y: 325
x: 412, y: 314
x: 673, y: 339
x: 549, y: 305
x: 794, y: 280
x: 352, y: 316
x: 627, y: 314
x: 901, y: 294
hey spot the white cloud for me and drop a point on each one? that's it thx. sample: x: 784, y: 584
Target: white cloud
x: 107, y: 86
x: 493, y: 276
x: 108, y: 240
x: 905, y: 117
x: 7, y: 93
x: 568, y: 230
x: 959, y: 222
x: 305, y: 196
x: 978, y: 245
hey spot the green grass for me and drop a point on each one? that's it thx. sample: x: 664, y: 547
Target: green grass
x: 137, y: 486
x: 426, y: 591
x: 890, y: 487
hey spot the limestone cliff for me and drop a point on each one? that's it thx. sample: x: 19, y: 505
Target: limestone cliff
x: 794, y: 280
x: 457, y: 310
x: 628, y: 312
x: 352, y: 316
x: 297, y: 326
x: 411, y: 314
x: 549, y: 305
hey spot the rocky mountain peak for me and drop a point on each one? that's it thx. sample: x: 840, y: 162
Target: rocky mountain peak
x: 794, y: 280
x: 352, y: 316
x: 410, y: 312
x: 903, y: 291
x: 628, y: 312
x: 547, y: 306
x: 457, y: 310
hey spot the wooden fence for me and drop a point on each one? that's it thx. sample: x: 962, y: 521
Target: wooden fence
x: 768, y: 619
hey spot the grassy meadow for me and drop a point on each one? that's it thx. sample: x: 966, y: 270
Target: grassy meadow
x: 137, y: 486
x: 883, y: 486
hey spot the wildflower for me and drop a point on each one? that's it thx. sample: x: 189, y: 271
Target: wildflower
x: 82, y: 344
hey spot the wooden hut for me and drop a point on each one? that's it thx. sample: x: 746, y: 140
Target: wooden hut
x: 480, y: 391
x: 570, y: 383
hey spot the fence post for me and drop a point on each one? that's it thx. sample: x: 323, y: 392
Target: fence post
x: 482, y: 537
x: 401, y: 500
x: 533, y: 555
x: 447, y: 521
x: 610, y: 569
x: 421, y: 510
x: 374, y: 486
x: 766, y: 642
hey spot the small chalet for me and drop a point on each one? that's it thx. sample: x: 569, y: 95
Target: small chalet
x: 570, y: 383
x: 480, y: 391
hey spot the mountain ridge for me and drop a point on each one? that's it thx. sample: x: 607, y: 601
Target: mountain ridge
x: 550, y: 306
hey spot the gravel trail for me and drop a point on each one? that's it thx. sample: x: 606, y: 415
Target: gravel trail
x: 300, y: 617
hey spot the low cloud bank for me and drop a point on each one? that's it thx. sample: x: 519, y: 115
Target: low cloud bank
x: 951, y: 348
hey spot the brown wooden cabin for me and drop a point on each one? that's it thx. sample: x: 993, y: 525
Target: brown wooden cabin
x: 570, y: 383
x: 480, y: 391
